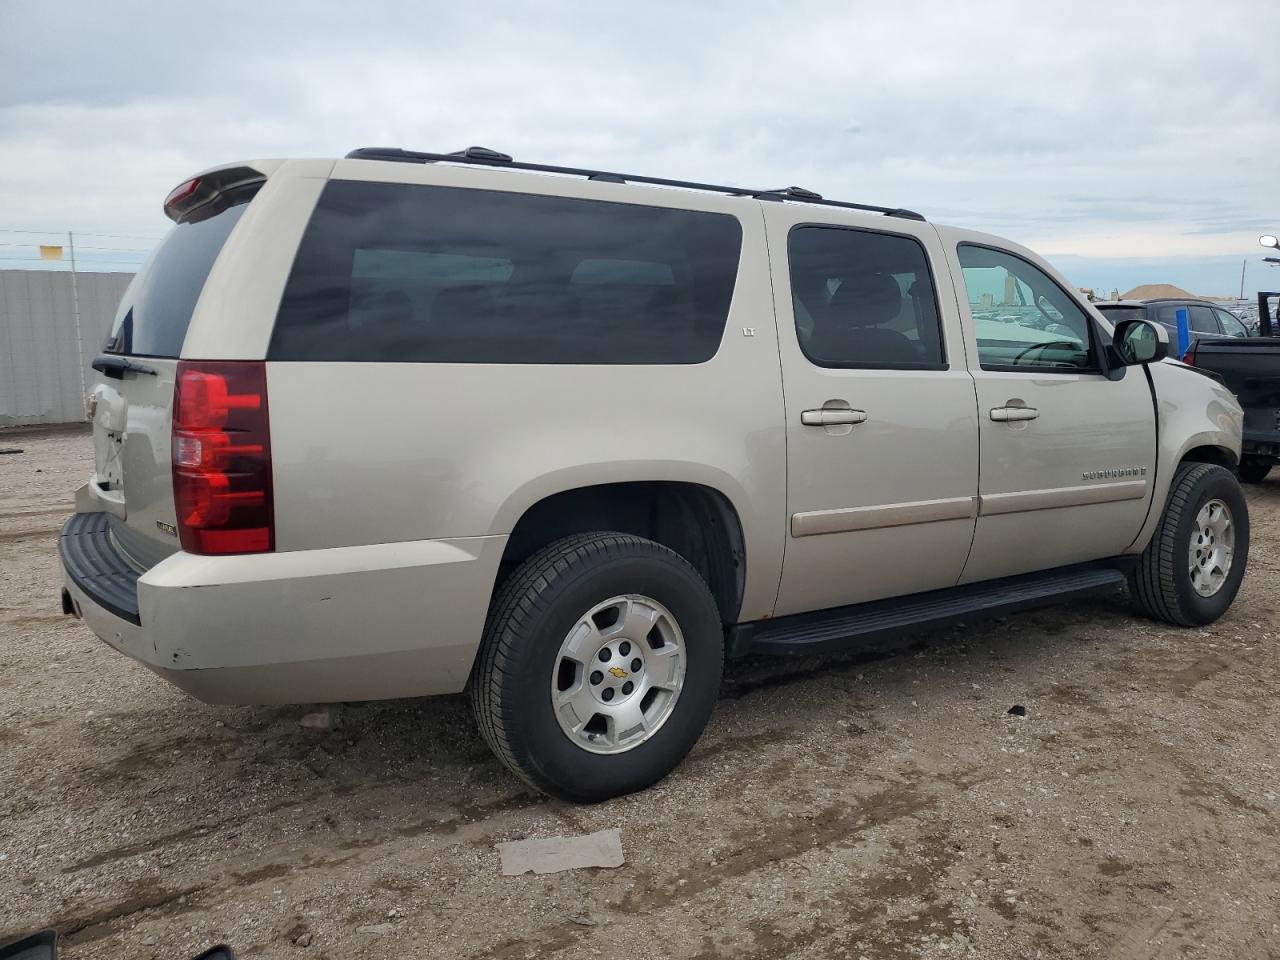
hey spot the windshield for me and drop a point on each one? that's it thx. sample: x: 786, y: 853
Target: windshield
x: 156, y: 309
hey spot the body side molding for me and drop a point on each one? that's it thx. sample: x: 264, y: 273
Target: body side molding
x: 815, y: 522
x: 991, y: 504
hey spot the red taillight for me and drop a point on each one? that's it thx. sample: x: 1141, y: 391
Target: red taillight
x: 183, y: 191
x: 1189, y: 357
x: 222, y: 457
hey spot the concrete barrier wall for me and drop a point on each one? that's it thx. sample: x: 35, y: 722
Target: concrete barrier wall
x: 39, y: 378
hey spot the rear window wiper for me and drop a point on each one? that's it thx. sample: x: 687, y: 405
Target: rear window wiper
x: 115, y: 367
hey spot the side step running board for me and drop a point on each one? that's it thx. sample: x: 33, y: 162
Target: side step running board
x: 841, y: 627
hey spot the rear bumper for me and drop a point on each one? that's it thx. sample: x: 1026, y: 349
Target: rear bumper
x: 347, y: 623
x: 90, y: 559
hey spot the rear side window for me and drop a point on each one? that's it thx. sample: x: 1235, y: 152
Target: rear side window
x: 1199, y: 318
x: 863, y: 299
x: 156, y: 310
x: 405, y: 273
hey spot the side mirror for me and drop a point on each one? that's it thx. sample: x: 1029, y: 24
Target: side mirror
x: 1138, y: 341
x: 1269, y: 241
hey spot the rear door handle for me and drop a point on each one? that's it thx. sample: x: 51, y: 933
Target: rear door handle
x: 1007, y: 414
x: 828, y: 417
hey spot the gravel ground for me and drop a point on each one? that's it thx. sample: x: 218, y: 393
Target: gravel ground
x: 881, y: 805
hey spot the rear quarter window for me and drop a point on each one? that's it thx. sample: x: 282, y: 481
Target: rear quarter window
x: 407, y: 273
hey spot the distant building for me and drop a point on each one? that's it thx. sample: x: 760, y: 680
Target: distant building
x: 1010, y: 291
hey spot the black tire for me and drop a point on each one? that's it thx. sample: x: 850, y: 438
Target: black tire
x: 1254, y: 470
x: 528, y: 621
x: 1161, y: 582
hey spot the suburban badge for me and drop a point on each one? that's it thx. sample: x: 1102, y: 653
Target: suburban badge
x: 1114, y: 474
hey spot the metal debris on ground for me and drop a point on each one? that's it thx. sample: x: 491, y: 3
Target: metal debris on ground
x: 321, y: 720
x: 10, y: 450
x: 553, y: 854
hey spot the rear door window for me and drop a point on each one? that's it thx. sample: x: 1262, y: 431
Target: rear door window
x: 863, y: 299
x: 1199, y: 318
x: 1203, y: 320
x: 156, y: 310
x: 406, y: 273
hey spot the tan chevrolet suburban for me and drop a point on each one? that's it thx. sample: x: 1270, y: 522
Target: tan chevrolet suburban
x: 408, y: 423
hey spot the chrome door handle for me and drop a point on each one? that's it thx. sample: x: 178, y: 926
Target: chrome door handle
x: 1007, y: 414
x: 828, y: 417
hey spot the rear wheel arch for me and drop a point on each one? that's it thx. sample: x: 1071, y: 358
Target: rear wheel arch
x: 696, y: 521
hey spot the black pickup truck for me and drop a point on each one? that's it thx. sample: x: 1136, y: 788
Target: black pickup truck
x: 1250, y: 368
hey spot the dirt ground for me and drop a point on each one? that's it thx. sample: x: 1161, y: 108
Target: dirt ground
x: 878, y: 805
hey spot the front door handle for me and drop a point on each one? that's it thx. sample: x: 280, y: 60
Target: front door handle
x: 829, y: 417
x: 1007, y: 414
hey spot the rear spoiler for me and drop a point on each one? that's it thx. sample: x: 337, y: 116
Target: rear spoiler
x: 210, y: 193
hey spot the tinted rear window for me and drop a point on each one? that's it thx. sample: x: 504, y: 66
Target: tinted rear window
x: 1116, y: 314
x: 396, y: 272
x: 156, y: 310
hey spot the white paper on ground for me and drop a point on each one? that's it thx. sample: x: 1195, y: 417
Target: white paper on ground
x: 553, y: 854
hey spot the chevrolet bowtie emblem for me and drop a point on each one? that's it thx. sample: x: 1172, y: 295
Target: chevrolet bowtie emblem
x: 618, y: 672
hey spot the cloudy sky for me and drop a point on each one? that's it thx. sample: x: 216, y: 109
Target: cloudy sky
x: 1127, y: 141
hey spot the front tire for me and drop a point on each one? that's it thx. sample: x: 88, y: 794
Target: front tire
x: 599, y: 667
x: 1191, y: 570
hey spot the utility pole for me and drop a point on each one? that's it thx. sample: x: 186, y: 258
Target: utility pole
x: 1243, y: 264
x: 75, y: 305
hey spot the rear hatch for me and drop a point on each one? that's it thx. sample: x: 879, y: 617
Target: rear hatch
x: 131, y: 403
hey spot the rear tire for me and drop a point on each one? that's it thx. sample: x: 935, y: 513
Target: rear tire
x: 1254, y: 470
x: 1204, y: 531
x: 566, y: 718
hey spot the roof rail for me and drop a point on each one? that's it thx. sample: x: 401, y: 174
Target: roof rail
x: 483, y: 156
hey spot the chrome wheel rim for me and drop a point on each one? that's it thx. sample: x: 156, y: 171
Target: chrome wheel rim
x: 1213, y: 545
x: 618, y: 674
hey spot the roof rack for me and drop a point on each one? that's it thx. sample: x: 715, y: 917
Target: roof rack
x: 483, y: 156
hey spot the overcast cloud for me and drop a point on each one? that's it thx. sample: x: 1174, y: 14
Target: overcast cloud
x: 1124, y: 140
